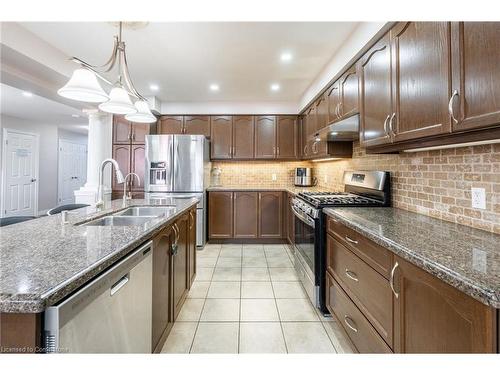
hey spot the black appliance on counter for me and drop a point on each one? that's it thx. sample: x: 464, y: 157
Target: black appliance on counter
x: 361, y: 189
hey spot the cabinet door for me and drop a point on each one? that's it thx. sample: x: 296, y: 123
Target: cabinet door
x: 333, y: 98
x: 265, y: 137
x: 271, y: 214
x: 121, y: 130
x: 311, y: 121
x: 192, y: 246
x: 243, y: 137
x: 321, y: 113
x: 375, y: 94
x: 319, y: 149
x: 245, y: 214
x: 220, y: 214
x: 421, y: 79
x: 349, y: 93
x: 137, y: 166
x: 161, y: 312
x: 170, y: 125
x: 304, y: 143
x: 286, y: 137
x: 221, y: 134
x: 180, y: 265
x: 121, y: 153
x: 139, y: 132
x: 197, y: 125
x: 431, y: 316
x: 476, y: 74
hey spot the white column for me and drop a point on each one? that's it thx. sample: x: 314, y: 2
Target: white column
x: 100, y: 139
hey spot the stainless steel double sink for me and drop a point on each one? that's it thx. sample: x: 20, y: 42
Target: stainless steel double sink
x: 133, y: 216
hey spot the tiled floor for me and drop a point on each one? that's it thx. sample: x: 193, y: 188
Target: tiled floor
x: 246, y: 299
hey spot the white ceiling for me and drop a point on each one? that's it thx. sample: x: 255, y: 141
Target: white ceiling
x: 39, y: 109
x: 185, y: 58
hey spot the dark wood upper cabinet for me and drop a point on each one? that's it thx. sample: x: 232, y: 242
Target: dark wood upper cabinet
x: 221, y: 130
x: 220, y: 214
x: 321, y: 113
x: 431, y: 316
x: 375, y: 94
x: 245, y: 214
x: 476, y: 74
x: 137, y: 163
x: 265, y: 137
x: 311, y: 121
x: 180, y: 264
x: 170, y: 125
x: 333, y: 98
x: 121, y: 130
x: 243, y: 137
x: 286, y: 137
x: 121, y: 153
x: 271, y: 214
x: 349, y: 92
x: 197, y: 125
x: 139, y: 132
x: 421, y: 79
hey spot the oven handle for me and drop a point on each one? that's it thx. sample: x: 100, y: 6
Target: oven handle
x: 303, y: 218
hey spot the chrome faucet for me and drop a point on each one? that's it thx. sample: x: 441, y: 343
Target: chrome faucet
x: 125, y: 197
x: 100, y: 190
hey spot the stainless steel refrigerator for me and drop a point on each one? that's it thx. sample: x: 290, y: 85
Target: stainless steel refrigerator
x: 178, y: 166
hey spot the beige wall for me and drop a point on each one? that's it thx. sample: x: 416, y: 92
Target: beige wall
x: 433, y: 183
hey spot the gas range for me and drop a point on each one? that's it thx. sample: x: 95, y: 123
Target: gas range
x: 327, y: 199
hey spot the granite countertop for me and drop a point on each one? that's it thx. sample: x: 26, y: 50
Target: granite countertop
x: 288, y: 188
x: 43, y: 261
x: 466, y: 258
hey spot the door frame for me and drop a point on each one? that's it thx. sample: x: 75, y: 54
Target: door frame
x: 3, y: 188
x: 59, y: 184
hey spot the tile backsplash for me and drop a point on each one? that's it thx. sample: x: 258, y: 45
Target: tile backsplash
x: 434, y: 183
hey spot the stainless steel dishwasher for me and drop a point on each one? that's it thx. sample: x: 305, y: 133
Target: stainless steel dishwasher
x: 112, y: 314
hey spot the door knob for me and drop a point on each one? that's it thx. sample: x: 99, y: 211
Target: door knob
x: 33, y: 179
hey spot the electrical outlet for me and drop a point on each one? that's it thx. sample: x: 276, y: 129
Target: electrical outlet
x: 273, y: 177
x: 478, y: 196
x: 325, y: 179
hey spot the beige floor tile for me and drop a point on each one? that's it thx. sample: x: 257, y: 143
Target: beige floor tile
x: 337, y: 336
x: 232, y: 246
x: 204, y: 273
x: 209, y: 250
x: 296, y: 310
x: 259, y: 310
x: 216, y: 338
x: 288, y: 289
x: 306, y: 337
x: 199, y: 289
x: 261, y: 338
x: 209, y: 246
x: 283, y: 274
x: 274, y: 247
x: 253, y: 253
x: 253, y: 246
x: 282, y: 261
x: 229, y: 262
x: 191, y: 310
x: 180, y: 338
x: 224, y: 289
x: 256, y: 289
x: 221, y: 310
x: 254, y: 262
x: 206, y: 262
x: 227, y: 274
x: 255, y: 274
x: 230, y: 252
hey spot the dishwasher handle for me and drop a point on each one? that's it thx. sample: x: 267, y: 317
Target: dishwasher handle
x: 119, y: 284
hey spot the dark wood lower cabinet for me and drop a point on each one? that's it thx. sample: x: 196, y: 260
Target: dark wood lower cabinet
x: 220, y: 214
x: 20, y: 333
x: 180, y: 264
x: 271, y: 214
x: 245, y: 214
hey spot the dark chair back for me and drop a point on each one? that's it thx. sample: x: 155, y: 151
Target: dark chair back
x: 4, y: 221
x: 65, y: 207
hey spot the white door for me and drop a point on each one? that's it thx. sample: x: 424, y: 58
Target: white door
x: 72, y: 170
x: 20, y: 174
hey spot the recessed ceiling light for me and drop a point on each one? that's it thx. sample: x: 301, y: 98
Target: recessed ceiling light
x: 214, y: 87
x: 154, y: 87
x: 286, y: 57
x: 275, y: 87
x: 27, y: 94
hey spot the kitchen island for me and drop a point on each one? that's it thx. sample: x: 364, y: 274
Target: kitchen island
x: 43, y: 261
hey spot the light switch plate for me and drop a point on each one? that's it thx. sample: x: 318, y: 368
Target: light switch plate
x: 273, y: 176
x: 326, y: 178
x: 478, y: 197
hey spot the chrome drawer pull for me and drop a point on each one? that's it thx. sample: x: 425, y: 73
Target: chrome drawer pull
x: 351, y: 275
x: 351, y: 240
x: 391, y: 281
x: 351, y: 326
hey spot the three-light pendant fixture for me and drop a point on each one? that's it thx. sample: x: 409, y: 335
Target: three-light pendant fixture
x: 84, y: 86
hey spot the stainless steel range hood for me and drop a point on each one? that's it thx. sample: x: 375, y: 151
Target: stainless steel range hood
x: 344, y: 130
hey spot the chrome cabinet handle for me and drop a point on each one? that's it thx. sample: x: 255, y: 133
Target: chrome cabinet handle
x: 314, y: 147
x: 350, y: 325
x: 351, y: 240
x: 337, y: 110
x: 176, y: 240
x: 277, y: 150
x: 450, y: 106
x: 340, y: 106
x: 119, y: 284
x: 391, y: 281
x: 385, y: 124
x: 351, y: 275
x: 391, y: 129
x: 192, y: 219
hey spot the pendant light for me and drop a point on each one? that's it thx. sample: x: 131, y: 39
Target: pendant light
x: 119, y: 102
x: 143, y: 113
x: 83, y: 86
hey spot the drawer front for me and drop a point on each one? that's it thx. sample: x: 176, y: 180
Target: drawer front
x: 367, y: 288
x: 359, y: 330
x: 376, y: 256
